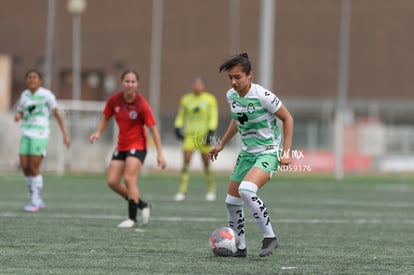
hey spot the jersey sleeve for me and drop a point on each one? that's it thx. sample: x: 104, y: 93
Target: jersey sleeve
x: 108, y: 110
x: 270, y: 101
x: 149, y: 119
x: 51, y: 101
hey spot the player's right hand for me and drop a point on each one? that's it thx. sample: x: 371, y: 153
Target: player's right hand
x: 178, y: 134
x: 213, y: 153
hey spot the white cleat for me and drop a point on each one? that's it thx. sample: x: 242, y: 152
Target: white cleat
x: 180, y: 196
x: 127, y: 224
x: 210, y: 196
x: 146, y: 213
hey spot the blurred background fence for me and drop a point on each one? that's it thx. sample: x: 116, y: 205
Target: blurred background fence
x: 321, y: 57
x: 372, y: 141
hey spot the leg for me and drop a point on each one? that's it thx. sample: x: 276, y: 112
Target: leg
x: 37, y: 180
x: 24, y: 164
x: 115, y: 171
x: 32, y: 153
x: 185, y: 176
x: 254, y: 180
x: 211, y: 183
x: 34, y: 181
x: 131, y: 174
x: 235, y: 216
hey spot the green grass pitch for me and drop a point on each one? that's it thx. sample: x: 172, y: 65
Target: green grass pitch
x: 361, y: 225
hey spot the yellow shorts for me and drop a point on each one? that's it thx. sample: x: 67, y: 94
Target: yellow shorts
x: 196, y: 142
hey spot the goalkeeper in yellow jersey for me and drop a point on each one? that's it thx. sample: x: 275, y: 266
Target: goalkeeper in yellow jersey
x: 195, y: 124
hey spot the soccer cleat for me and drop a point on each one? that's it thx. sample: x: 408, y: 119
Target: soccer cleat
x: 269, y: 244
x: 240, y: 253
x: 210, y: 196
x: 180, y: 196
x: 127, y: 224
x: 34, y: 208
x: 145, y: 214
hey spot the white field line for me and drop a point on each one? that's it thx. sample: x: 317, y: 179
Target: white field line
x: 206, y: 219
x: 281, y: 202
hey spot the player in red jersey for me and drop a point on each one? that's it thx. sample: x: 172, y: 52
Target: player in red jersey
x: 132, y: 114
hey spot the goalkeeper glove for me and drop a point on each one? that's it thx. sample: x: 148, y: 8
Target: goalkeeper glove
x: 178, y: 134
x: 210, y: 137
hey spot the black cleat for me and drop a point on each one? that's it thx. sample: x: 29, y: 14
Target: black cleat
x: 240, y: 253
x: 269, y: 244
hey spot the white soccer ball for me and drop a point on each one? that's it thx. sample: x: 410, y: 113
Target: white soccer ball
x: 224, y: 242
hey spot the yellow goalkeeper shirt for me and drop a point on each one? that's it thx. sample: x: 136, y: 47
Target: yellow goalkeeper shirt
x: 197, y: 114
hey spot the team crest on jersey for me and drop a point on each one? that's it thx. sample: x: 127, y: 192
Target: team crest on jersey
x: 117, y: 108
x: 250, y: 108
x: 133, y: 114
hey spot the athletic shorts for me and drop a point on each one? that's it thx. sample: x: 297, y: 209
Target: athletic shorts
x: 122, y: 155
x: 33, y: 146
x: 267, y: 162
x: 196, y: 142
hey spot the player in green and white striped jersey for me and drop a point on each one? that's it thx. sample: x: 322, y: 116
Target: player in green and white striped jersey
x: 254, y: 112
x: 35, y: 106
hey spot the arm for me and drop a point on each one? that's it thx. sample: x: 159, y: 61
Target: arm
x: 213, y: 118
x: 101, y: 128
x: 157, y: 141
x: 229, y: 134
x: 66, y: 139
x: 287, y: 120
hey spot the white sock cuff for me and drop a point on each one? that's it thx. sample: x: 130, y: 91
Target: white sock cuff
x: 248, y: 186
x: 37, y: 180
x: 233, y: 201
x: 29, y: 180
x: 38, y: 177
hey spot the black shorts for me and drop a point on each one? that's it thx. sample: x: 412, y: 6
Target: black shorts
x: 122, y: 155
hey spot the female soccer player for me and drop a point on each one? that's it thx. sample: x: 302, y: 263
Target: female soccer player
x: 35, y: 106
x: 132, y: 114
x: 254, y: 111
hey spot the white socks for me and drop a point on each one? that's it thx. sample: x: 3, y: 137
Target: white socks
x: 235, y: 217
x: 247, y: 191
x: 35, y: 187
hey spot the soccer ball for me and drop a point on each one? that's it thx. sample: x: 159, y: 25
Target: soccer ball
x: 224, y: 242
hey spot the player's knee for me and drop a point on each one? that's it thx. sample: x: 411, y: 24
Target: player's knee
x: 113, y: 184
x: 130, y: 182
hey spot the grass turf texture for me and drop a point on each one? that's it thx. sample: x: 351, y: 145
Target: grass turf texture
x: 361, y: 225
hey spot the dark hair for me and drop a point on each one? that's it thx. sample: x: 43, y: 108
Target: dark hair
x: 129, y: 71
x: 32, y: 70
x: 240, y: 59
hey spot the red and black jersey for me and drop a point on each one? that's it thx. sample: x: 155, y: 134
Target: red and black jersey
x: 132, y: 118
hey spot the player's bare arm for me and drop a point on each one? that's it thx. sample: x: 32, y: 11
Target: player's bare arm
x: 287, y: 120
x: 228, y: 135
x: 102, y: 125
x: 66, y: 138
x: 162, y: 163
